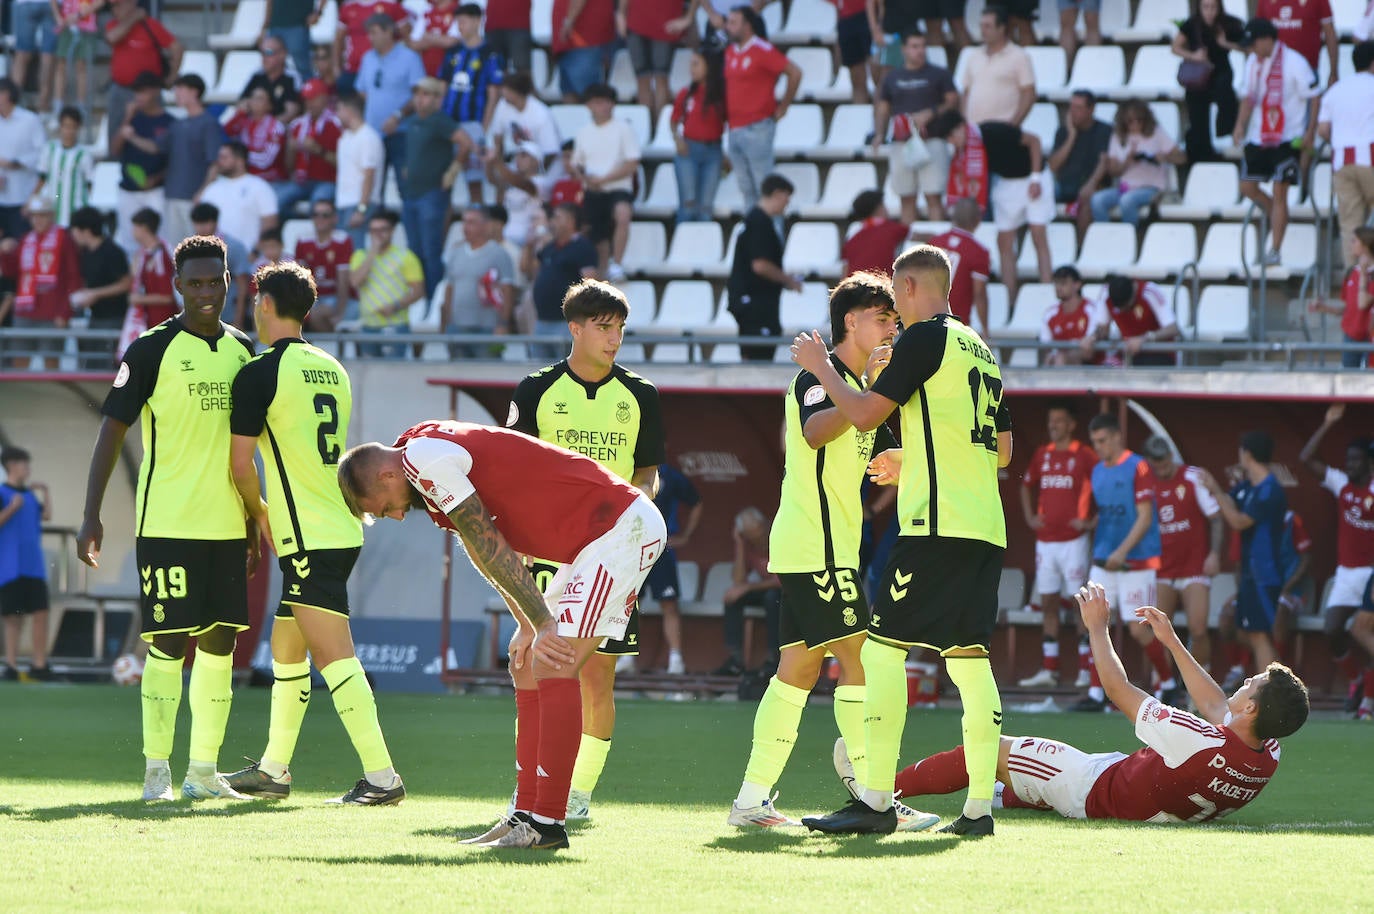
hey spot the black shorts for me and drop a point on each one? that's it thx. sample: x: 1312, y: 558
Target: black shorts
x: 317, y: 579
x: 662, y: 581
x: 938, y: 592
x: 190, y: 586
x: 514, y: 46
x: 1270, y: 163
x: 1256, y: 605
x: 598, y: 211
x: 647, y: 55
x: 820, y: 608
x: 855, y: 39
x: 543, y: 573
x: 1021, y: 9
x: 23, y: 596
x: 941, y: 9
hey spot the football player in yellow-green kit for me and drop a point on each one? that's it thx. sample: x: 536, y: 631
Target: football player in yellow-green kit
x: 589, y: 404
x: 292, y: 403
x: 940, y: 587
x: 814, y: 551
x: 191, y: 529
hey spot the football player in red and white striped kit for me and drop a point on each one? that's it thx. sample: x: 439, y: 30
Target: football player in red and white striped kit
x: 505, y: 493
x: 1193, y: 768
x: 1060, y: 475
x: 1191, y: 535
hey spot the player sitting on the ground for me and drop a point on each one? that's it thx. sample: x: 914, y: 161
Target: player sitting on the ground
x: 1192, y: 769
x: 293, y: 403
x: 505, y: 493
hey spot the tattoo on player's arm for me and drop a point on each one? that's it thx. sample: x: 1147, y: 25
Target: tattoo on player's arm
x: 495, y: 559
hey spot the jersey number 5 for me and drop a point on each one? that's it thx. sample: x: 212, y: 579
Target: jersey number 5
x: 978, y: 384
x: 327, y: 408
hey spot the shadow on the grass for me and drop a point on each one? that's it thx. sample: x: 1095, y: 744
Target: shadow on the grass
x: 774, y: 841
x: 138, y: 809
x: 461, y: 857
x: 458, y: 832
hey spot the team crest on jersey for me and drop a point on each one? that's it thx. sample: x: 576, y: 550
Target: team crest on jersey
x: 122, y: 376
x: 813, y: 395
x: 850, y: 618
x: 513, y: 416
x: 622, y: 412
x: 1181, y: 491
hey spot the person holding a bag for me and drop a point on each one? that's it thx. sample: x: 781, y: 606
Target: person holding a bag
x: 1204, y: 41
x: 138, y: 44
x: 908, y: 99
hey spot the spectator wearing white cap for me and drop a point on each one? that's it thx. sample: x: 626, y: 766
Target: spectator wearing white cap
x: 1346, y: 121
x: 312, y: 147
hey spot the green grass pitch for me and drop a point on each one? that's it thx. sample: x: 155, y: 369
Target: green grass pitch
x: 75, y: 837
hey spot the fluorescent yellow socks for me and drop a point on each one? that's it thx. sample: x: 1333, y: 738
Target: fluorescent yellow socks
x: 211, y: 693
x: 591, y: 759
x: 775, y: 732
x: 290, y: 698
x: 161, y: 699
x: 849, y: 718
x: 884, y: 718
x: 357, y: 709
x: 982, y: 725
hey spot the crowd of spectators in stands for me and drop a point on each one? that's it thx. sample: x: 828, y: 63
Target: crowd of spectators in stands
x: 421, y: 103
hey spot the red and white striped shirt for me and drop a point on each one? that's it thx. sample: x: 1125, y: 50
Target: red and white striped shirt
x: 324, y: 130
x: 153, y: 276
x: 1348, y: 107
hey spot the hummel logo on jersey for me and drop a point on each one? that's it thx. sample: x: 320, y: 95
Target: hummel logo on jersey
x: 295, y: 590
x: 186, y: 365
x: 305, y: 696
x: 823, y: 588
x: 147, y: 573
x: 301, y: 566
x: 560, y: 409
x: 997, y: 718
x: 899, y: 585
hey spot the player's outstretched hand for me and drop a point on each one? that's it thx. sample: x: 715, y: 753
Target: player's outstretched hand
x: 1160, y: 624
x: 1334, y: 413
x: 551, y: 649
x: 88, y: 542
x: 1092, y: 603
x: 808, y: 351
x: 886, y: 468
x: 519, y: 648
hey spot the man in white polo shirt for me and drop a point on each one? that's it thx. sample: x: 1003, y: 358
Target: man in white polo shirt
x: 358, y: 184
x: 247, y: 204
x: 1347, y: 122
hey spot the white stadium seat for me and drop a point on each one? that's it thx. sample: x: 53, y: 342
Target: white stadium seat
x: 1063, y: 242
x: 812, y: 248
x: 541, y: 22
x: 696, y: 248
x: 806, y: 181
x: 249, y: 19
x: 687, y: 306
x: 999, y: 311
x: 1223, y: 249
x: 623, y: 79
x: 845, y: 181
x: 805, y: 310
x: 1032, y: 299
x: 662, y: 145
x: 729, y: 200
x: 1101, y: 69
x: 849, y: 124
x: 680, y: 70
x: 293, y: 230
x: 322, y: 32
x: 1107, y: 248
x: 1299, y: 250
x: 1154, y: 21
x: 238, y: 67
x: 661, y: 200
x: 204, y: 65
x: 818, y: 75
x: 1213, y: 190
x: 1223, y: 313
x: 1166, y: 248
x: 643, y: 302
x: 1050, y: 69
x: 808, y: 21
x: 645, y: 248
x: 1345, y: 15
x: 545, y: 77
x: 105, y: 186
x: 1043, y: 120
x: 799, y: 131
x: 1114, y: 18
x: 1154, y: 74
x: 570, y: 119
x: 637, y: 116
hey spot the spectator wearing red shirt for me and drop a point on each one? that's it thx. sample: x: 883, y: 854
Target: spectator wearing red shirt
x: 879, y: 238
x: 440, y: 34
x: 1142, y: 314
x: 752, y: 68
x: 312, y: 145
x: 49, y: 271
x: 138, y: 44
x: 351, y: 41
x: 568, y: 188
x: 1357, y: 293
x: 698, y: 126
x: 1056, y: 501
x: 1191, y: 535
x: 1070, y: 320
x: 582, y: 42
x: 262, y: 135
x: 652, y: 29
x: 968, y: 287
x: 152, y: 271
x: 326, y: 254
x: 508, y: 33
x: 1304, y: 25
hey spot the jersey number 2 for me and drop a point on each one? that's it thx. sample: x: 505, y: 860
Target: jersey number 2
x: 978, y: 382
x: 327, y: 408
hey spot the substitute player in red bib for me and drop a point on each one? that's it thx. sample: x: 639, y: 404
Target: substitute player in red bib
x: 1060, y: 513
x: 1192, y: 769
x: 505, y: 494
x: 968, y: 288
x: 1191, y: 533
x: 1142, y: 314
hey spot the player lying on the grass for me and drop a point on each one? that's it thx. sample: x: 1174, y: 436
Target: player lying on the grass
x: 814, y: 551
x: 293, y: 403
x: 1192, y: 769
x: 505, y: 494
